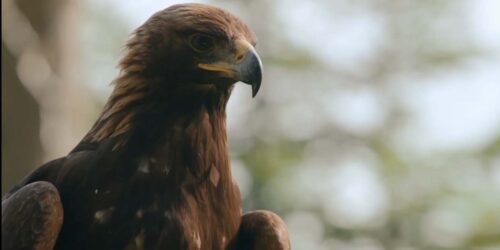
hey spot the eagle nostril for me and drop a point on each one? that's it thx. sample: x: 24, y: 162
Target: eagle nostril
x: 240, y: 57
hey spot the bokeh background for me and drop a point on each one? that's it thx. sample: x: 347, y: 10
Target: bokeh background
x: 377, y: 125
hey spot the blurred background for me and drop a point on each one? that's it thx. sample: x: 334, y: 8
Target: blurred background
x: 377, y: 125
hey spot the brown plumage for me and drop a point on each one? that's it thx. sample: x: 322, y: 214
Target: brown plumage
x: 154, y: 172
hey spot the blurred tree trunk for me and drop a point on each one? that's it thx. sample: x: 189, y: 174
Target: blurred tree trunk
x: 21, y: 149
x: 43, y: 111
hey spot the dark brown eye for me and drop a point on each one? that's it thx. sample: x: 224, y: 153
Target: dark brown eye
x: 202, y: 43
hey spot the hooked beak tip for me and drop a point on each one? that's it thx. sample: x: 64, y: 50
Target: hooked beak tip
x: 256, y: 86
x: 251, y: 71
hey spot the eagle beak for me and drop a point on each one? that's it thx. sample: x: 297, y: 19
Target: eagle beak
x: 244, y: 65
x: 249, y: 70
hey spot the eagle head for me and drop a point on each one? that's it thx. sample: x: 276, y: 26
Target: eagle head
x: 194, y: 46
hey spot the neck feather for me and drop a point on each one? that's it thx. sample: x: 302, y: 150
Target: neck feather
x: 140, y: 110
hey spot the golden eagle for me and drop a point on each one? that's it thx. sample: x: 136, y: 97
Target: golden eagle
x: 153, y: 172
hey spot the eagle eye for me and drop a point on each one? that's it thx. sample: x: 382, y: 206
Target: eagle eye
x: 202, y: 43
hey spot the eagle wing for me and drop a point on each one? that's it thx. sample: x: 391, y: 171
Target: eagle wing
x: 32, y: 211
x: 32, y: 217
x: 263, y: 230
